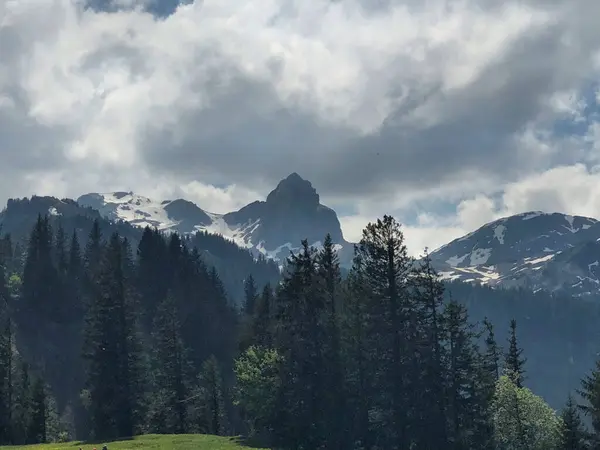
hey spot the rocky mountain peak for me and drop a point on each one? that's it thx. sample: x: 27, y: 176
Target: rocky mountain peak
x: 294, y: 190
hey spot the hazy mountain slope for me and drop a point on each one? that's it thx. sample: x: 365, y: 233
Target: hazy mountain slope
x: 556, y: 252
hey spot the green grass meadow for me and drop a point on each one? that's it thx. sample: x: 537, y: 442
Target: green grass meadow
x: 150, y: 442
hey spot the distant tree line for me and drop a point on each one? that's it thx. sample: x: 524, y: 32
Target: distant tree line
x: 98, y: 341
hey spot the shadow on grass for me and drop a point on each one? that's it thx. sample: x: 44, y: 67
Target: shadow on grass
x: 252, y: 442
x: 100, y: 443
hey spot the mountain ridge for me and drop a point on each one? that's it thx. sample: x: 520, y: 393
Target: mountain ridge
x: 536, y: 250
x: 272, y: 227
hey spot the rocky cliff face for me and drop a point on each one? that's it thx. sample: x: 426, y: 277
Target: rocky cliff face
x: 273, y: 227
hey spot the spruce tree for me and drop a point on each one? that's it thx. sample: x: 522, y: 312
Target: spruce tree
x: 590, y: 393
x: 250, y: 295
x: 111, y: 349
x: 466, y: 400
x: 573, y: 431
x: 299, y: 338
x: 262, y: 319
x: 492, y: 352
x: 210, y: 399
x: 5, y: 361
x: 359, y: 374
x: 23, y: 406
x: 37, y: 422
x: 429, y: 428
x: 387, y: 266
x: 170, y: 368
x: 329, y: 288
x: 60, y: 250
x: 514, y: 360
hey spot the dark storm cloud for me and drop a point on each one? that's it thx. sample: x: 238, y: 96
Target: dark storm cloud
x: 248, y: 135
x: 247, y: 130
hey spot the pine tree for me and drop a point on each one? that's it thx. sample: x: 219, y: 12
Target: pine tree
x: 262, y: 320
x: 60, y: 250
x: 6, y: 406
x: 466, y: 401
x: 210, y: 399
x: 170, y: 368
x: 329, y: 287
x: 429, y: 428
x: 573, y: 431
x: 387, y: 266
x: 356, y: 357
x: 299, y: 339
x: 111, y: 373
x: 250, y: 295
x: 37, y: 423
x: 514, y: 360
x: 23, y: 406
x: 154, y: 275
x: 492, y: 352
x: 590, y: 393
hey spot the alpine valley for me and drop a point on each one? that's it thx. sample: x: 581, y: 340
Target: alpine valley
x: 535, y: 250
x: 553, y: 252
x: 541, y: 269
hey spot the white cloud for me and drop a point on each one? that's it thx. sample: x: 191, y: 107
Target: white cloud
x: 571, y: 190
x: 385, y: 109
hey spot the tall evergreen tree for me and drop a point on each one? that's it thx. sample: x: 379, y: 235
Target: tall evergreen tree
x: 514, y: 360
x: 429, y: 428
x: 356, y: 357
x: 573, y: 436
x: 250, y: 295
x: 5, y: 361
x: 210, y: 399
x: 590, y: 393
x: 387, y: 265
x: 329, y: 288
x: 299, y: 338
x: 60, y: 250
x: 170, y: 369
x: 23, y: 406
x: 154, y: 274
x: 466, y: 401
x: 262, y: 320
x: 111, y: 349
x: 37, y: 422
x: 492, y: 352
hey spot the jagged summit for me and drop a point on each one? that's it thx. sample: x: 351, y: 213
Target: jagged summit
x: 291, y: 212
x: 294, y: 189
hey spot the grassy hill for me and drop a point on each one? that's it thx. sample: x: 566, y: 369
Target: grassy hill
x: 150, y: 442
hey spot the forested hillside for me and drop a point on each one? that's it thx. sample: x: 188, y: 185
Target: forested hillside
x: 101, y: 339
x: 233, y: 263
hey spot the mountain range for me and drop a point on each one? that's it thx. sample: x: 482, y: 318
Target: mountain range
x: 272, y: 228
x: 534, y: 250
x: 540, y: 252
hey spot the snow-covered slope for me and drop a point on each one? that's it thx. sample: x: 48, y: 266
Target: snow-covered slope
x: 534, y: 250
x: 273, y: 227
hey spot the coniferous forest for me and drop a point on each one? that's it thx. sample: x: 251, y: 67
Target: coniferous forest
x: 100, y: 339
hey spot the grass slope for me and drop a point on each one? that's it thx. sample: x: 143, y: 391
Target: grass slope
x: 150, y: 442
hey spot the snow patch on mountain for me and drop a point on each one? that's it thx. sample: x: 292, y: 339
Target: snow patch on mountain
x: 499, y: 233
x: 538, y: 250
x: 456, y: 260
x: 531, y: 215
x: 480, y: 256
x: 264, y: 228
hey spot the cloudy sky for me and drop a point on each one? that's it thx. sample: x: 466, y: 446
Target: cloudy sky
x: 444, y: 113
